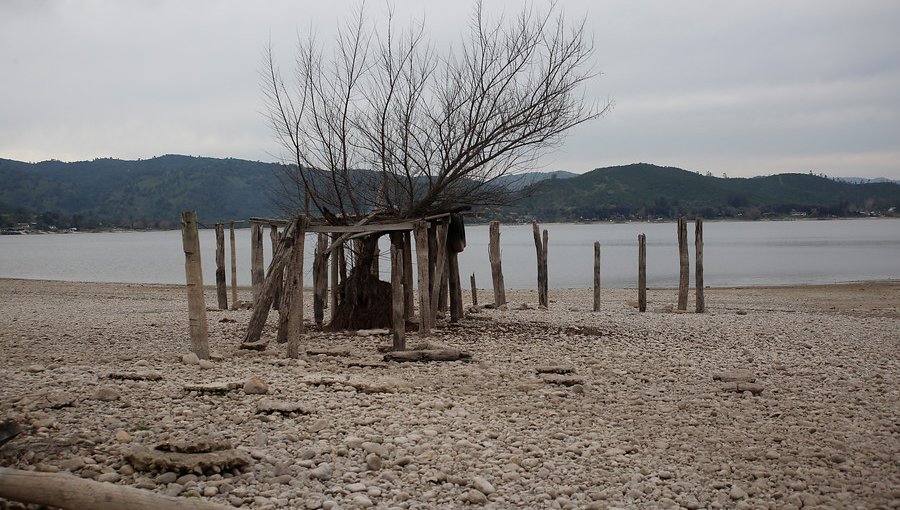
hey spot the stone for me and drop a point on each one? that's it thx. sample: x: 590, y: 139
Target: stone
x: 72, y: 464
x: 375, y: 448
x: 322, y: 472
x: 123, y: 436
x: 562, y: 380
x: 475, y: 497
x: 140, y: 375
x: 109, y: 477
x: 362, y: 501
x: 373, y: 462
x: 213, y: 388
x: 735, y: 375
x: 106, y: 394
x: 145, y: 459
x: 356, y: 487
x: 34, y: 369
x: 737, y: 493
x: 255, y: 386
x: 210, y: 491
x: 270, y: 406
x: 206, y: 364
x: 166, y: 478
x: 190, y: 359
x: 482, y: 485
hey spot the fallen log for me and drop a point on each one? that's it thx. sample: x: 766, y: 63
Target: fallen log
x: 66, y: 491
x: 740, y: 387
x: 428, y: 355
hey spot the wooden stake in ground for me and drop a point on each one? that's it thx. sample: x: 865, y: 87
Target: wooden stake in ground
x: 496, y: 268
x: 456, y: 311
x: 684, y: 264
x: 474, y: 290
x: 420, y: 231
x: 335, y: 277
x: 59, y: 490
x: 398, y: 323
x: 221, y: 286
x: 293, y: 295
x: 541, y: 249
x: 440, y: 268
x: 257, y: 274
x: 194, y: 276
x: 698, y: 261
x: 273, y: 281
x: 642, y: 272
x: 320, y: 279
x: 273, y: 236
x: 409, y: 300
x: 596, y: 276
x: 234, y: 295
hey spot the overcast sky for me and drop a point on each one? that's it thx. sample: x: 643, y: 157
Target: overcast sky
x: 739, y: 87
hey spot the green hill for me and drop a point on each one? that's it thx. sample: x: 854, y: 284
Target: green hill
x: 646, y: 191
x: 150, y: 193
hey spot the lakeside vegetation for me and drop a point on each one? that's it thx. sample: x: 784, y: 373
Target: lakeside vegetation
x: 149, y: 194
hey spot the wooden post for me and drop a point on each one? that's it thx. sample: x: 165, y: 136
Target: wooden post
x: 293, y: 295
x: 420, y: 231
x: 320, y: 279
x: 409, y: 297
x: 234, y: 295
x: 274, y: 280
x: 194, y: 275
x: 597, y: 276
x: 221, y: 286
x: 698, y: 261
x: 69, y: 492
x: 439, y: 268
x: 455, y: 286
x: 642, y: 272
x: 335, y: 278
x: 541, y: 249
x: 684, y: 266
x: 496, y: 268
x: 474, y: 290
x: 375, y: 262
x: 273, y: 236
x: 398, y: 323
x: 256, y: 260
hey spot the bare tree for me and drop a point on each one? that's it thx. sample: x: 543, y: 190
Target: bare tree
x: 380, y: 121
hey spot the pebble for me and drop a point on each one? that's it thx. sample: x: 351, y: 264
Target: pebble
x: 323, y: 472
x: 483, y: 485
x: 255, y: 386
x: 190, y: 359
x: 107, y: 394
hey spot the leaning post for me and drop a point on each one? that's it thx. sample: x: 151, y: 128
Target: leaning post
x: 190, y: 238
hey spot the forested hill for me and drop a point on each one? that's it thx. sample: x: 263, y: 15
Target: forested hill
x: 143, y: 194
x: 649, y: 191
x: 150, y: 193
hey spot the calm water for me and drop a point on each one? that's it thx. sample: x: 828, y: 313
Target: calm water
x: 735, y: 253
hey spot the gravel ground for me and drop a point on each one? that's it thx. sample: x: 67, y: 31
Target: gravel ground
x: 631, y: 412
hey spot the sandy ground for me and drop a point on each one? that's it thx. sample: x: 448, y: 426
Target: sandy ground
x: 643, y: 423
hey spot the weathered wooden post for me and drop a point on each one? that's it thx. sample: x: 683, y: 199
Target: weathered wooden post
x: 320, y: 278
x: 293, y: 296
x: 440, y: 268
x: 596, y: 276
x: 698, y: 269
x: 335, y: 277
x: 684, y: 266
x: 455, y: 286
x: 642, y: 272
x: 420, y: 231
x: 541, y: 249
x: 257, y: 274
x: 496, y: 268
x: 194, y: 276
x: 398, y: 323
x: 273, y: 236
x: 221, y: 286
x: 273, y: 280
x: 408, y: 290
x: 234, y: 295
x: 474, y: 290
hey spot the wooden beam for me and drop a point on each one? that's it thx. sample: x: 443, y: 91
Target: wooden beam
x: 440, y: 269
x: 353, y: 229
x: 597, y: 276
x: 256, y: 259
x: 234, y: 294
x: 70, y: 492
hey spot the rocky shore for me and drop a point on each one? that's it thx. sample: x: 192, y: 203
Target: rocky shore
x: 776, y: 398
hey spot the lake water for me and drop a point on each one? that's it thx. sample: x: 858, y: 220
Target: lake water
x: 735, y: 254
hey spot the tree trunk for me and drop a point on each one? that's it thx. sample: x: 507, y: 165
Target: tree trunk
x: 365, y: 301
x: 194, y: 276
x: 541, y: 249
x: 320, y: 279
x: 456, y: 308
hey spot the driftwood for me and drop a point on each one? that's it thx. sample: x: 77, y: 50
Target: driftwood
x: 257, y: 275
x: 428, y: 355
x: 66, y: 491
x: 540, y: 247
x: 234, y: 296
x: 8, y: 430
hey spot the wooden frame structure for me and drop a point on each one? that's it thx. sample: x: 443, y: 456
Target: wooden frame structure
x: 436, y: 267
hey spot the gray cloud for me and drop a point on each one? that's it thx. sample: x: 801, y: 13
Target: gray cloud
x: 743, y: 87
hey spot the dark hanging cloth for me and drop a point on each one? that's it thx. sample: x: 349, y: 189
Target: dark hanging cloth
x: 456, y: 233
